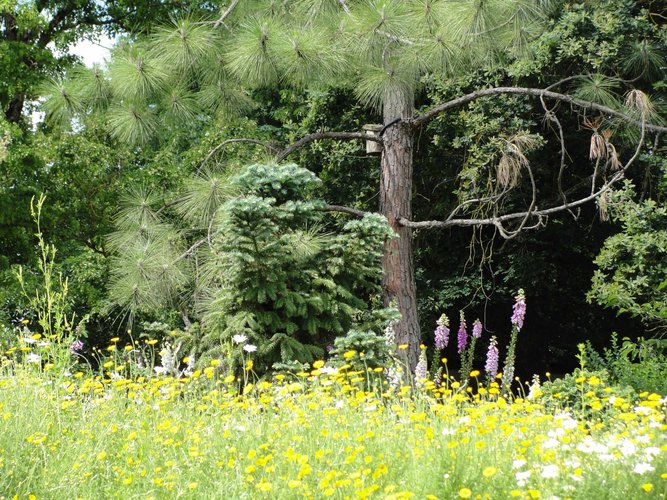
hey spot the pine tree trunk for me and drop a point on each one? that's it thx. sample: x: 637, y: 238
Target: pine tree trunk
x: 395, y: 202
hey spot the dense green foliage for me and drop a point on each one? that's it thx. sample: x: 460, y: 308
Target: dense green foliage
x: 279, y: 278
x: 632, y: 274
x: 639, y: 364
x: 169, y: 101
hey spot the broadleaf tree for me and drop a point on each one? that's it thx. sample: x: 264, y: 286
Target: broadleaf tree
x: 383, y: 49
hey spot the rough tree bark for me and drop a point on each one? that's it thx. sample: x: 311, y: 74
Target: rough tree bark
x: 398, y: 280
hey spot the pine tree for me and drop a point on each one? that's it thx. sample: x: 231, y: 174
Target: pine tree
x: 380, y: 47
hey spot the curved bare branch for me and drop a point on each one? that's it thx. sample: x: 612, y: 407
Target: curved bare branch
x: 224, y: 143
x: 324, y: 135
x: 551, y: 116
x: 343, y: 209
x: 460, y: 101
x: 526, y: 215
x: 221, y: 19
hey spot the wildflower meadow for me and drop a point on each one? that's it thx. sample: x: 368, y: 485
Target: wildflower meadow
x: 346, y: 249
x: 325, y: 432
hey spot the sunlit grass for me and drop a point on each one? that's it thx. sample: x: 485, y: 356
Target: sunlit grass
x: 316, y: 435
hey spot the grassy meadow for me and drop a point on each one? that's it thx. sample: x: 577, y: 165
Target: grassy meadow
x: 326, y: 433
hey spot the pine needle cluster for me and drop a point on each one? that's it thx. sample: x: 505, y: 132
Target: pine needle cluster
x: 197, y: 68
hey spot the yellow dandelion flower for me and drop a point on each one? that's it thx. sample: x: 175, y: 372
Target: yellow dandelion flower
x: 304, y: 471
x: 474, y: 373
x: 318, y: 364
x: 349, y: 354
x: 465, y: 493
x: 102, y: 455
x: 264, y: 486
x: 489, y: 471
x: 647, y: 487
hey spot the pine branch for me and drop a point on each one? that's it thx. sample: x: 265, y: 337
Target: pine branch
x: 324, y: 135
x: 266, y: 145
x: 424, y: 118
x: 226, y: 13
x: 532, y: 211
x: 525, y: 215
x: 343, y: 209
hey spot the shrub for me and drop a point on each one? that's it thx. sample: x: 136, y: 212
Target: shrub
x: 640, y: 364
x: 280, y: 278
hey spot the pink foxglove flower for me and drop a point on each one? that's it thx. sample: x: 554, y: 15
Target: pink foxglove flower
x: 421, y: 370
x: 519, y: 311
x: 442, y: 332
x: 491, y: 366
x: 76, y: 346
x: 477, y: 329
x: 463, y: 334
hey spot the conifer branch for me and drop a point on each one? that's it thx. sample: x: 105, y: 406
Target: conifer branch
x: 224, y: 143
x: 226, y: 13
x: 343, y: 209
x: 191, y: 251
x: 324, y: 135
x: 343, y: 3
x: 533, y: 212
x: 424, y: 118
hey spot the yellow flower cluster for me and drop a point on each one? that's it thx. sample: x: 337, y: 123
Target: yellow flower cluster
x: 323, y: 433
